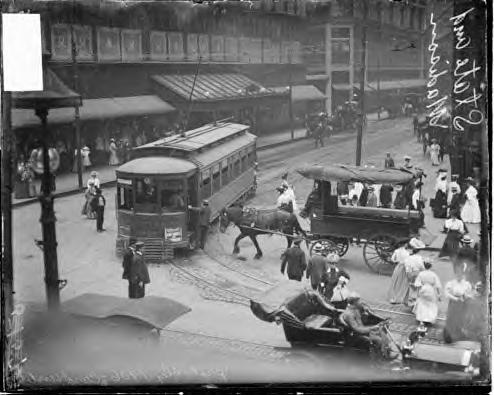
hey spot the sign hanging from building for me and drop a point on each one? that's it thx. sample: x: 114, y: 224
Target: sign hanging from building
x: 158, y: 45
x: 109, y: 44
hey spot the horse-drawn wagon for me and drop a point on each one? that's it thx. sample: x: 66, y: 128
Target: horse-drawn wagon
x: 336, y: 226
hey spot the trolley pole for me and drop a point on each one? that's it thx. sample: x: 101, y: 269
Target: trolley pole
x: 360, y: 129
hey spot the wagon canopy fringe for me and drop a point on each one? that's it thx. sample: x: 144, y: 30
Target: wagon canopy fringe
x: 360, y: 174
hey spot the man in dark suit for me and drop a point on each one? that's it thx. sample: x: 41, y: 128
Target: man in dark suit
x: 294, y: 257
x: 127, y: 258
x: 456, y: 200
x: 138, y: 275
x: 98, y: 205
x: 317, y: 267
x: 204, y: 219
x: 386, y: 195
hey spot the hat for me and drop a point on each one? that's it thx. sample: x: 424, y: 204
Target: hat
x: 466, y: 240
x: 455, y: 176
x: 333, y: 258
x: 139, y: 244
x: 469, y: 179
x: 343, y: 280
x: 206, y: 202
x: 354, y: 296
x: 132, y: 240
x: 297, y: 241
x: 406, y: 157
x: 454, y: 187
x: 280, y: 189
x: 94, y: 174
x: 112, y: 139
x: 370, y: 188
x: 416, y: 244
x: 434, y: 140
x: 318, y: 247
x: 442, y: 170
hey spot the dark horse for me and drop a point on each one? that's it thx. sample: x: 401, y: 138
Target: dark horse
x: 253, y: 222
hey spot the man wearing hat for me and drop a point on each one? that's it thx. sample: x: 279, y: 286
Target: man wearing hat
x: 455, y: 200
x: 204, y: 219
x: 294, y: 257
x: 388, y: 161
x: 113, y: 161
x: 331, y: 277
x: 98, y: 206
x: 466, y: 259
x: 352, y: 317
x: 453, y: 185
x: 138, y: 274
x: 317, y: 266
x: 371, y: 198
x: 407, y: 165
x: 127, y: 258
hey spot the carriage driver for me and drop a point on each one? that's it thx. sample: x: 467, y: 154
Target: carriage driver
x: 352, y: 317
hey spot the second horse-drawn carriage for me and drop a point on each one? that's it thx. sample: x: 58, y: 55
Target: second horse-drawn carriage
x: 336, y: 226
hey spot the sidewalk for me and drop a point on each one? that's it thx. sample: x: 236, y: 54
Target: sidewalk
x: 67, y: 183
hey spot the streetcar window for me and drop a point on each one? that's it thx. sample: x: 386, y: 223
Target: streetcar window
x: 251, y: 158
x: 146, y: 191
x: 172, y: 196
x: 206, y: 188
x: 224, y: 173
x: 244, y: 162
x: 236, y: 168
x: 216, y: 181
x: 124, y: 196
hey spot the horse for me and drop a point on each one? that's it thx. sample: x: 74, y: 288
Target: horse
x: 252, y: 222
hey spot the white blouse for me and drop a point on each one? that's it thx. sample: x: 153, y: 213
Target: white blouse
x: 414, y: 263
x: 399, y: 255
x: 454, y: 224
x: 456, y: 289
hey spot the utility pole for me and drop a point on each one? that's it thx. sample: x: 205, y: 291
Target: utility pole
x: 360, y: 129
x: 77, y: 121
x: 378, y: 86
x: 290, y: 104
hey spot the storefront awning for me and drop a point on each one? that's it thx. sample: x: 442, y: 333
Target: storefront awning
x: 301, y: 93
x: 97, y: 109
x: 384, y: 85
x: 209, y: 88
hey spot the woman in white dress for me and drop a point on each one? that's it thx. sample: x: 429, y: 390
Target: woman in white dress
x: 429, y: 294
x: 398, y: 288
x: 470, y: 212
x: 434, y: 150
x: 113, y: 153
x: 414, y: 264
x: 85, y: 152
x: 458, y: 291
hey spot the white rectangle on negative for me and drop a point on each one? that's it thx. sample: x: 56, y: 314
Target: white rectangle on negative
x: 22, y: 56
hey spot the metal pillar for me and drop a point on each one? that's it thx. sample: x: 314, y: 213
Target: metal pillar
x: 48, y: 220
x: 77, y: 121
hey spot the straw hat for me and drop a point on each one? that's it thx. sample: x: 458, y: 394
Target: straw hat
x: 466, y: 240
x: 318, y: 247
x: 416, y: 244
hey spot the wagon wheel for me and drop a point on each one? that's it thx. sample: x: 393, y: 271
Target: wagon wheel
x: 342, y: 244
x: 377, y: 253
x: 328, y: 246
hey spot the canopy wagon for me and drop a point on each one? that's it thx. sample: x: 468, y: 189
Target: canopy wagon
x: 155, y: 188
x: 336, y: 226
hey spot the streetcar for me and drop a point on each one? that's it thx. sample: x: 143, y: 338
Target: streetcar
x: 336, y: 226
x: 215, y: 162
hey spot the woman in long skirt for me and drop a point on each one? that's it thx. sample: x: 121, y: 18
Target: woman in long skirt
x: 455, y: 229
x: 398, y: 288
x: 458, y: 291
x: 414, y: 264
x: 434, y: 150
x: 471, y: 210
x: 429, y: 294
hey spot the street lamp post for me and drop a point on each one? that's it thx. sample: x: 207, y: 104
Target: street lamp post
x: 290, y: 104
x: 48, y: 219
x: 358, y: 156
x: 77, y: 121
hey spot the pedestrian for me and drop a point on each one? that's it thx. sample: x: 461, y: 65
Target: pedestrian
x: 470, y: 212
x: 386, y: 195
x: 294, y: 257
x: 316, y: 267
x: 331, y: 276
x: 456, y: 201
x: 204, y: 219
x: 453, y: 185
x: 127, y: 258
x: 434, y: 151
x: 429, y: 294
x: 285, y: 200
x: 98, y: 205
x: 467, y: 260
x: 455, y: 229
x: 364, y: 196
x: 356, y: 191
x: 86, y: 161
x: 398, y: 288
x: 440, y: 202
x: 425, y: 142
x: 400, y: 202
x: 89, y: 196
x: 457, y: 291
x: 414, y: 264
x: 319, y: 135
x: 408, y: 162
x: 372, y: 198
x: 138, y: 275
x: 342, y: 190
x: 417, y: 202
x: 113, y: 161
x: 389, y: 161
x: 94, y: 180
x: 416, y: 125
x: 340, y: 294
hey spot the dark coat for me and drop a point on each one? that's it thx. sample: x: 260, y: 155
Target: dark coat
x: 455, y: 203
x: 385, y: 194
x: 127, y: 263
x: 330, y: 279
x: 294, y: 257
x: 389, y: 162
x: 138, y: 271
x: 316, y: 268
x: 204, y: 215
x: 363, y: 197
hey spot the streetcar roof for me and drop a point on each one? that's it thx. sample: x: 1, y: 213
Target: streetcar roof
x: 359, y: 174
x: 157, y: 165
x: 197, y: 139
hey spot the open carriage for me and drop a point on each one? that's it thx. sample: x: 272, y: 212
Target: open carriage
x: 336, y: 226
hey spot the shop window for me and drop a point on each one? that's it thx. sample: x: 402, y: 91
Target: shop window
x: 173, y: 198
x: 124, y: 196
